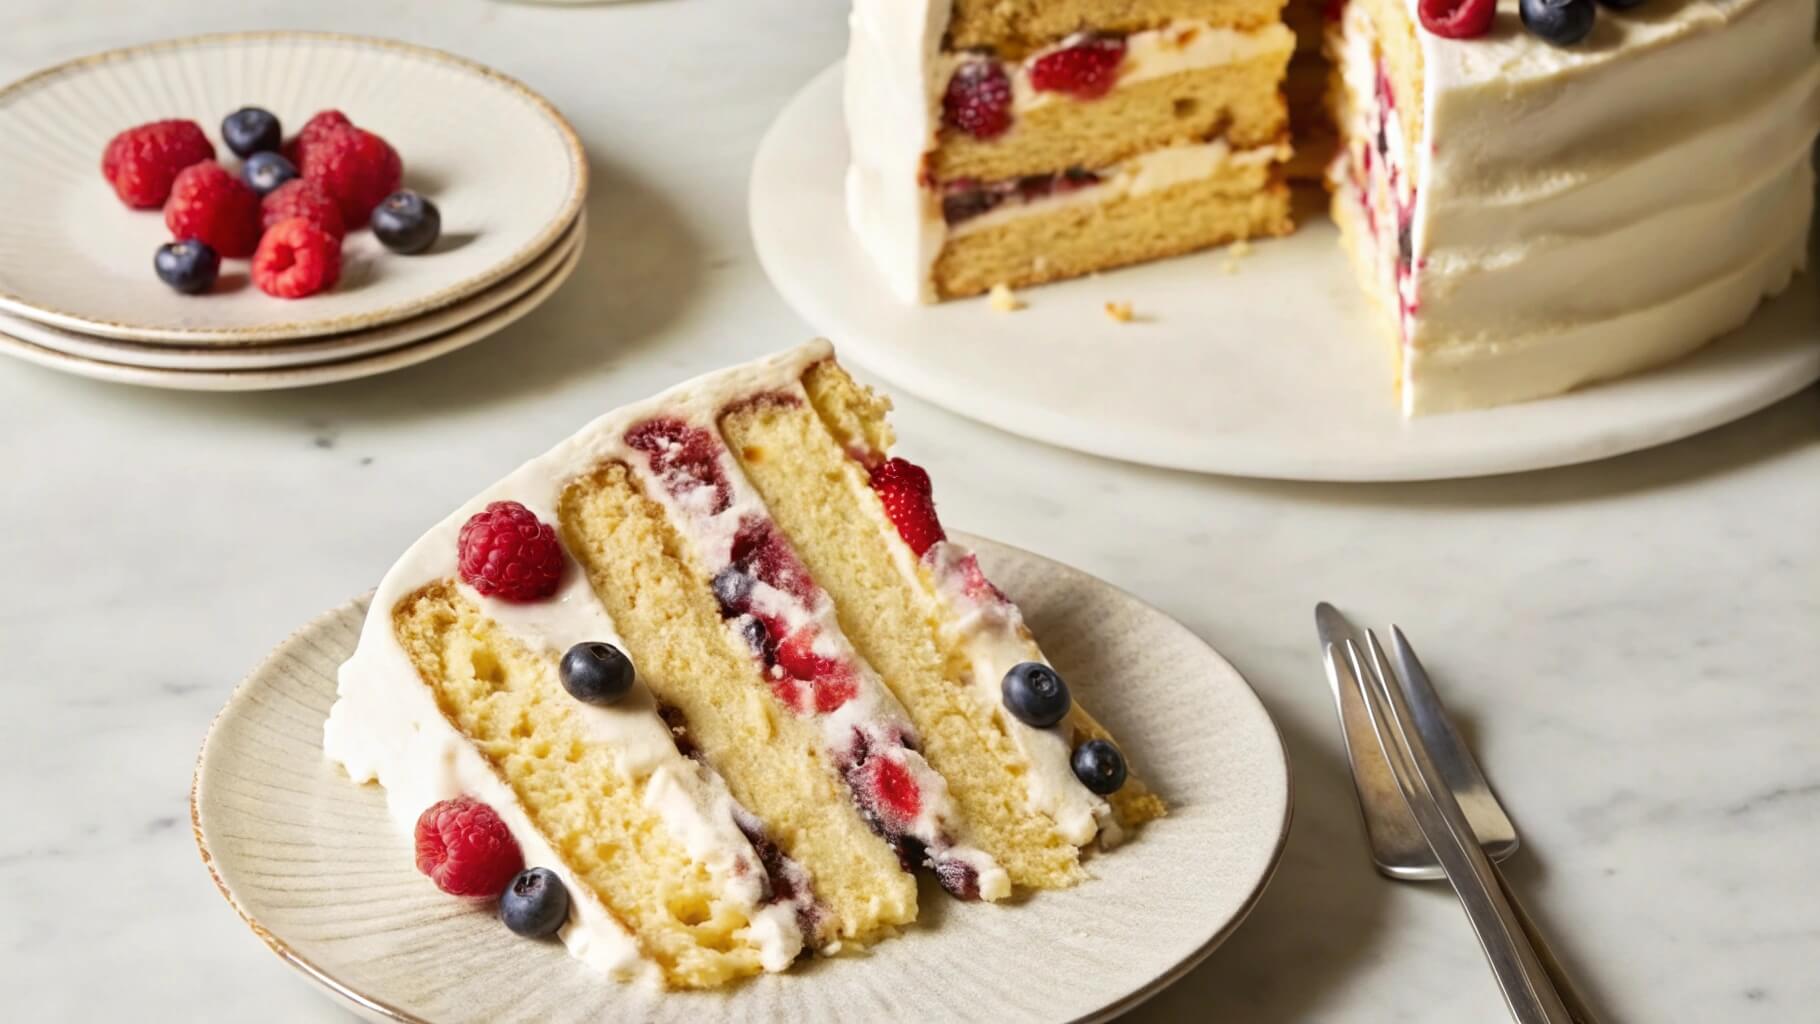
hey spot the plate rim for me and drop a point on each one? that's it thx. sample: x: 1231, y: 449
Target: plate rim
x: 1055, y: 428
x: 260, y: 357
x: 370, y: 1004
x: 295, y: 330
x: 309, y: 374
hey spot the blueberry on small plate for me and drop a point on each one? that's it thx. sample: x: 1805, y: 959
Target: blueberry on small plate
x: 189, y: 266
x: 407, y: 222
x: 267, y: 170
x: 251, y: 130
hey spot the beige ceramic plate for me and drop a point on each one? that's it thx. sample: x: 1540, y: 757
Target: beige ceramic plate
x: 327, y: 349
x: 506, y: 170
x: 323, y: 877
x: 301, y: 376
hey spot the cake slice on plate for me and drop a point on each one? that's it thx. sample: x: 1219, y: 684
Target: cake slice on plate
x: 714, y: 663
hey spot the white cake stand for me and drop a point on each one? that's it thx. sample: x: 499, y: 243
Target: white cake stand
x: 1264, y: 365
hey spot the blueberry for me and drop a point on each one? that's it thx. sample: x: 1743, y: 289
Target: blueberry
x: 266, y: 171
x: 189, y: 266
x: 732, y: 588
x: 1561, y: 22
x: 251, y: 130
x: 596, y: 673
x: 1099, y: 766
x: 535, y: 904
x: 1035, y: 694
x: 407, y: 222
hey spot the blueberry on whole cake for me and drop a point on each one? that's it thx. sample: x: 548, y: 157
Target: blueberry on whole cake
x: 700, y: 689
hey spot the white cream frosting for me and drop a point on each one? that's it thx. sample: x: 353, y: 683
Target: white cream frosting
x: 1585, y: 212
x: 386, y: 726
x: 895, y: 74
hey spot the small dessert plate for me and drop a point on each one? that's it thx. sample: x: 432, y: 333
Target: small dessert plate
x: 329, y: 348
x: 504, y: 168
x: 311, y: 374
x: 1265, y: 365
x: 323, y: 877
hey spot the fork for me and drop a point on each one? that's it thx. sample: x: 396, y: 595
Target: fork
x: 1444, y: 820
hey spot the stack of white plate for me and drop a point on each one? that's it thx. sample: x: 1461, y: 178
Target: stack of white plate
x: 77, y: 291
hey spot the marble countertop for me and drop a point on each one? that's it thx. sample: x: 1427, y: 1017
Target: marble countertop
x: 1633, y: 646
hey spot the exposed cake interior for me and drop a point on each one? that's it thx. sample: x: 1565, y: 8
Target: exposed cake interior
x: 773, y: 761
x: 504, y: 697
x: 1054, y: 140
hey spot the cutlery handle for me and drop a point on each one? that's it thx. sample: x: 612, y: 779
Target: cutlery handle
x: 1514, y: 961
x: 1571, y: 997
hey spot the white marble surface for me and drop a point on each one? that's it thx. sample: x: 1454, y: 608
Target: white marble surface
x: 1634, y: 644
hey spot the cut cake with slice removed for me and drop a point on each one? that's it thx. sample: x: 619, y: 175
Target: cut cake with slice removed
x: 816, y: 710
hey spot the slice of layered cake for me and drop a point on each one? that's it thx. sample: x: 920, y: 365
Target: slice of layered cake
x: 1022, y: 141
x: 713, y: 666
x: 1536, y: 210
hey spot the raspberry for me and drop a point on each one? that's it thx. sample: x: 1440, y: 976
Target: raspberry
x: 211, y: 205
x: 466, y: 850
x: 909, y: 503
x: 357, y: 167
x: 141, y: 163
x: 1457, y: 19
x: 830, y: 679
x: 506, y: 551
x: 300, y: 197
x: 1085, y: 70
x: 686, y: 459
x: 978, y: 100
x: 296, y: 258
x: 315, y: 128
x: 894, y: 794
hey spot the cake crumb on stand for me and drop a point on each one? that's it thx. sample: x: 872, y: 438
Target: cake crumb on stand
x: 1120, y: 311
x: 1003, y: 299
x: 1234, y: 253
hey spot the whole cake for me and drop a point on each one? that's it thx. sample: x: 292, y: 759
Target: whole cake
x: 1538, y: 194
x: 713, y: 668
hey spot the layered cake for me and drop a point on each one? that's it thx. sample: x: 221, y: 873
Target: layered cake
x: 1538, y: 194
x: 713, y: 667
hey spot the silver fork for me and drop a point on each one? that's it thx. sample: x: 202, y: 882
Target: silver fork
x: 1429, y: 812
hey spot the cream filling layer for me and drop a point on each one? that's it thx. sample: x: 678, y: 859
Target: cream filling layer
x: 1141, y: 175
x: 1180, y: 46
x: 385, y: 724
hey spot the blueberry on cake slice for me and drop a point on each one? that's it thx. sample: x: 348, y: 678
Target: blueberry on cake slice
x: 1022, y: 141
x: 703, y: 686
x: 1508, y: 166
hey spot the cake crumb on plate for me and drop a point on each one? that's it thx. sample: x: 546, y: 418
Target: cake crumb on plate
x: 1120, y: 311
x: 1003, y: 299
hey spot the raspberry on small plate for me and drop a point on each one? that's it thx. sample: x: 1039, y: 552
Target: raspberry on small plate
x: 78, y: 251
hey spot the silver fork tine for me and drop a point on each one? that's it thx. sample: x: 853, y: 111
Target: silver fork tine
x: 1527, y: 991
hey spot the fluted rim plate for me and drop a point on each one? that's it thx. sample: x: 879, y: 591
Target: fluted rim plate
x: 309, y: 375
x: 506, y: 170
x: 316, y: 868
x: 328, y: 348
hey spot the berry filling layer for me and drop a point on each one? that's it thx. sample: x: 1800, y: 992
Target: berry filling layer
x: 768, y: 598
x: 1375, y: 170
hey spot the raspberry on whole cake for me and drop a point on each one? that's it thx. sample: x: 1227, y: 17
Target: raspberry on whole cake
x: 724, y: 678
x: 1499, y: 168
